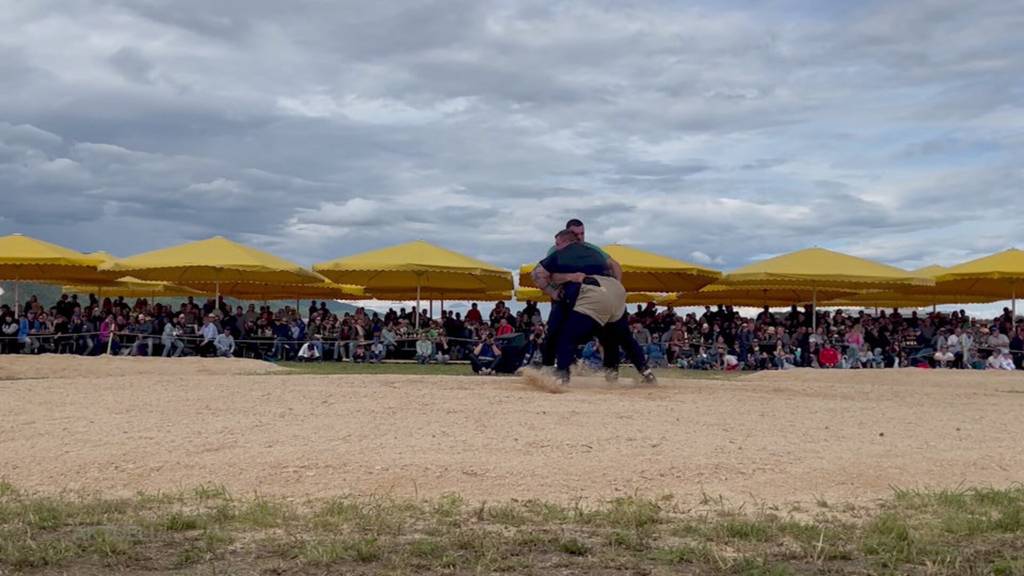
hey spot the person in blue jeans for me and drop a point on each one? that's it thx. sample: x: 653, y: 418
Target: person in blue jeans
x: 485, y: 356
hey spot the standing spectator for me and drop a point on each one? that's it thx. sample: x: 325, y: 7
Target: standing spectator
x: 9, y: 333
x: 474, y: 316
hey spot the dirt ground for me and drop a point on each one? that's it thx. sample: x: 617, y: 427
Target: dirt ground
x: 119, y: 425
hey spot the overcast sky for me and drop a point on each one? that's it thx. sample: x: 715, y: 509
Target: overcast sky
x: 717, y: 132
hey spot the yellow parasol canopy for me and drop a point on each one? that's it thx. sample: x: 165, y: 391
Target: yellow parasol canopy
x: 442, y: 295
x: 1001, y: 273
x: 325, y: 290
x: 406, y: 266
x: 536, y: 295
x: 27, y: 259
x: 215, y: 265
x: 817, y: 269
x: 23, y: 258
x: 415, y: 267
x: 772, y: 296
x: 644, y: 271
x: 133, y: 288
x: 916, y: 296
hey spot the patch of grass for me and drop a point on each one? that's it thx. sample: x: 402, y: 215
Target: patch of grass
x: 403, y: 368
x: 206, y: 530
x: 262, y: 513
x: 181, y: 522
x: 746, y: 529
x: 324, y: 552
x: 682, y: 554
x: 573, y: 546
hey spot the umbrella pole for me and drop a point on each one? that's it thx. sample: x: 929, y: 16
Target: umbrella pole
x: 417, y: 302
x: 431, y: 307
x: 442, y: 308
x: 1013, y: 301
x: 216, y: 298
x: 814, y: 309
x: 17, y: 298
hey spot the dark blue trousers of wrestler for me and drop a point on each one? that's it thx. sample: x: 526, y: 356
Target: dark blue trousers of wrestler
x: 557, y: 318
x: 616, y: 334
x: 580, y: 328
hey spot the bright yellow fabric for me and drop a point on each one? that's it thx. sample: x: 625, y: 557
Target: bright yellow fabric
x: 210, y: 261
x: 133, y: 288
x: 27, y: 259
x: 321, y: 291
x: 999, y: 274
x: 403, y: 267
x: 774, y: 296
x: 820, y: 268
x: 536, y: 295
x: 647, y: 272
x: 445, y: 295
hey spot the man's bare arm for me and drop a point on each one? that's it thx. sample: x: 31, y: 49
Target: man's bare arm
x: 542, y: 279
x: 563, y: 277
x: 616, y: 268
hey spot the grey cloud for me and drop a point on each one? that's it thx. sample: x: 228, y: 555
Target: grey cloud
x: 320, y: 129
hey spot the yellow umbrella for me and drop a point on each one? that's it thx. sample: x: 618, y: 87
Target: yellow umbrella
x: 818, y: 269
x: 1001, y: 273
x: 536, y: 295
x: 215, y: 265
x: 773, y: 296
x: 326, y: 290
x: 647, y: 272
x: 23, y: 258
x: 420, y: 266
x: 916, y: 296
x: 443, y: 295
x: 133, y: 288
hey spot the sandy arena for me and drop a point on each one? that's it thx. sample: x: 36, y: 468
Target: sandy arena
x: 119, y: 425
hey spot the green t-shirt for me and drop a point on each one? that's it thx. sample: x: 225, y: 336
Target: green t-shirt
x: 588, y: 244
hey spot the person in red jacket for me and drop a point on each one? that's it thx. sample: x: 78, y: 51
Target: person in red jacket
x: 474, y: 316
x: 829, y: 356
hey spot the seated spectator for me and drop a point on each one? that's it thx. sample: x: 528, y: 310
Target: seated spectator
x: 225, y: 344
x: 592, y: 355
x: 424, y: 349
x: 441, y: 349
x: 485, y: 355
x: 1000, y: 360
x: 943, y: 357
x: 829, y: 356
x: 377, y: 352
x: 359, y: 355
x: 504, y: 328
x: 209, y: 333
x: 308, y: 353
x: 170, y: 338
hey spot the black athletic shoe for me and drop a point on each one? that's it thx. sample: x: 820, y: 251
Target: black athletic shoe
x: 649, y: 377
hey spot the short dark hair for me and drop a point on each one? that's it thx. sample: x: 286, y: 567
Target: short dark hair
x: 574, y: 222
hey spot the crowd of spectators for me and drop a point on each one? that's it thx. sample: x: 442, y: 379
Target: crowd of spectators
x: 717, y: 339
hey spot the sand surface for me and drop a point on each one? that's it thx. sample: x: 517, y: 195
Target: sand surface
x: 120, y: 425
